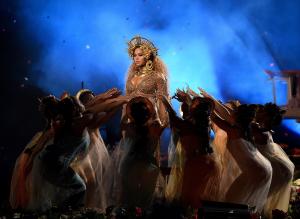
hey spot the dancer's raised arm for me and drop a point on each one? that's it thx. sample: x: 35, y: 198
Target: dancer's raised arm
x: 223, y: 124
x: 183, y: 96
x: 192, y: 92
x: 108, y: 105
x: 103, y: 117
x: 220, y: 109
x: 109, y: 94
x: 175, y: 121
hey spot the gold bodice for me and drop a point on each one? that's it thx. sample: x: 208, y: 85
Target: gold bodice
x: 151, y: 83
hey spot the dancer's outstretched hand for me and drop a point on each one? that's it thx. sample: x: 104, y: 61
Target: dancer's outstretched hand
x: 204, y: 93
x: 181, y: 96
x: 192, y: 92
x: 114, y: 92
x: 109, y: 94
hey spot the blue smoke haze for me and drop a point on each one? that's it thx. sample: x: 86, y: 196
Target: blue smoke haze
x: 221, y: 46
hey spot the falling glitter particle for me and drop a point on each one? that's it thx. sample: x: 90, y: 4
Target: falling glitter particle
x: 22, y: 85
x: 25, y: 78
x: 28, y: 61
x: 87, y: 46
x: 272, y: 64
x: 15, y: 21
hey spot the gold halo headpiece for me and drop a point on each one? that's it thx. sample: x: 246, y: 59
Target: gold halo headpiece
x: 146, y: 45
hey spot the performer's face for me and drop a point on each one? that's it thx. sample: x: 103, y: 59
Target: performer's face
x: 139, y: 58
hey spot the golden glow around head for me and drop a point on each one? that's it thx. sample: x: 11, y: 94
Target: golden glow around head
x: 144, y: 44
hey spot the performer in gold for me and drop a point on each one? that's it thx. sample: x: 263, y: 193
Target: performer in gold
x: 147, y: 75
x: 146, y: 79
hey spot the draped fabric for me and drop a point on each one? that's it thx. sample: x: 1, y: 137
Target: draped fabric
x: 174, y: 186
x: 253, y: 183
x: 136, y: 168
x: 193, y: 177
x: 52, y: 181
x: 283, y: 170
x: 229, y: 168
x: 20, y: 189
x: 94, y: 168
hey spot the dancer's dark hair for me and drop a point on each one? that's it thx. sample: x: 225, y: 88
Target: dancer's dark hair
x: 48, y: 106
x: 274, y: 112
x: 245, y: 115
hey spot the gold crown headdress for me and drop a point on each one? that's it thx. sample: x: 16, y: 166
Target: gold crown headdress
x: 146, y: 45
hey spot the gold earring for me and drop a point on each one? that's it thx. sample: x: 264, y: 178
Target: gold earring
x: 149, y: 65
